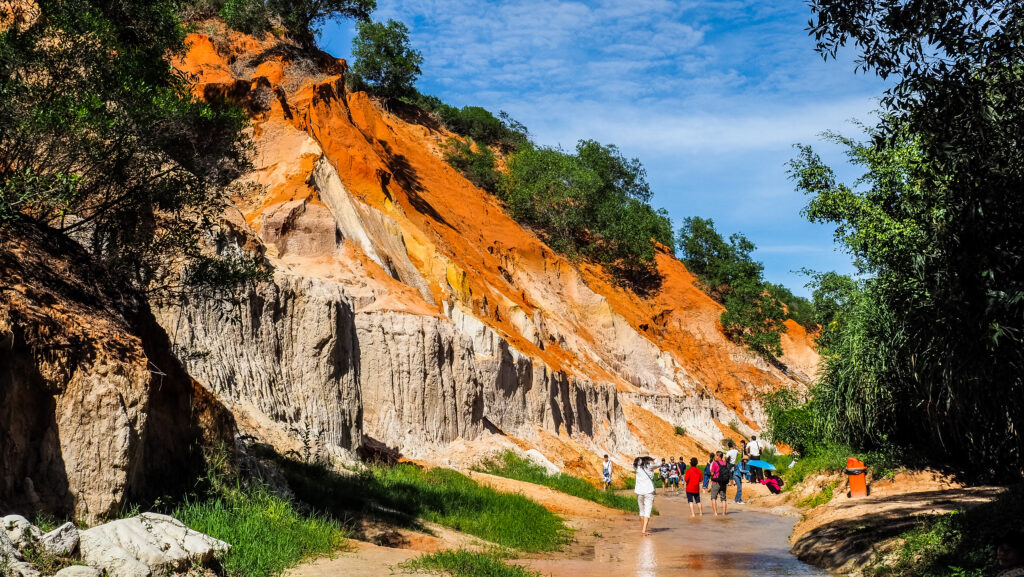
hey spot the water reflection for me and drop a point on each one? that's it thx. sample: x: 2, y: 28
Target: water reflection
x: 646, y: 560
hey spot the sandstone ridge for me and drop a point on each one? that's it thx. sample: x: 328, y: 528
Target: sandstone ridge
x: 409, y: 311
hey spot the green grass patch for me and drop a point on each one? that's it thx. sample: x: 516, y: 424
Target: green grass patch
x: 511, y: 465
x: 404, y: 493
x: 680, y: 430
x: 821, y: 497
x: 266, y: 532
x: 467, y: 564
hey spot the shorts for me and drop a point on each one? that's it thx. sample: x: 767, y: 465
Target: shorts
x: 645, y: 503
x: 674, y: 479
x: 717, y: 492
x: 607, y: 478
x: 693, y: 497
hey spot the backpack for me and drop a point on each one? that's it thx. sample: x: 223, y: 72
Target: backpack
x: 724, y: 474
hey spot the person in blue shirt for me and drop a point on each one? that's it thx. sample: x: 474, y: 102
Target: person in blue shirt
x: 707, y: 471
x: 738, y: 474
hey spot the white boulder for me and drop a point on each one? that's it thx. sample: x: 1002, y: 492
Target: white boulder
x: 22, y: 569
x: 8, y: 550
x: 148, y: 543
x: 79, y: 571
x: 62, y: 541
x: 20, y: 531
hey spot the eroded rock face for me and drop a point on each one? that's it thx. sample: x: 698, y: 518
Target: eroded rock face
x: 287, y: 347
x: 88, y: 416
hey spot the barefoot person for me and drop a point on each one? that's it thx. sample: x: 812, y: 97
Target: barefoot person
x: 606, y: 472
x: 707, y: 470
x: 692, y: 480
x: 721, y: 474
x: 644, y: 468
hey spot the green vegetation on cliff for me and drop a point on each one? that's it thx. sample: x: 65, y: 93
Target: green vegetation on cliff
x: 756, y: 310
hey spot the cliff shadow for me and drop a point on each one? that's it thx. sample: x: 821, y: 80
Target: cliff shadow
x: 402, y: 172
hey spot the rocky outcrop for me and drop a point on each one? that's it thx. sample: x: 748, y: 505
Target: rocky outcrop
x: 90, y: 415
x: 145, y: 545
x: 286, y: 347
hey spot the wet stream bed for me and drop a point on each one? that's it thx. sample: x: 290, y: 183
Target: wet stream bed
x: 745, y: 542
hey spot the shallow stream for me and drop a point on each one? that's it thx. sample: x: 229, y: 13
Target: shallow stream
x: 744, y: 542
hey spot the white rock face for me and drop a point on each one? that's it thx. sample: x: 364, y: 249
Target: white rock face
x: 8, y: 551
x: 78, y: 571
x: 20, y: 531
x: 148, y: 543
x: 62, y: 541
x: 23, y: 569
x: 287, y: 347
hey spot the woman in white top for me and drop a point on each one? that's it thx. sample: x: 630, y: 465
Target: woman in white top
x: 644, y: 467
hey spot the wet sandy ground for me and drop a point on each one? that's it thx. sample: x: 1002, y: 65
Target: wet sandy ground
x: 744, y: 542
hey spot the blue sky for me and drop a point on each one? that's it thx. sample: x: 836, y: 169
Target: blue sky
x: 710, y: 95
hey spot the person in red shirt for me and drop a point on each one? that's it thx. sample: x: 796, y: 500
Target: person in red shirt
x: 692, y: 479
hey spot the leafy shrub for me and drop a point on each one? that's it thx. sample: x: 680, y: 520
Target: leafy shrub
x: 821, y: 497
x: 680, y: 430
x: 301, y: 17
x: 591, y: 203
x: 248, y: 16
x: 475, y: 161
x: 754, y: 316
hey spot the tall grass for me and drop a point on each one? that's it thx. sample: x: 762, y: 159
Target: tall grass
x: 404, y: 493
x: 512, y: 466
x: 266, y: 532
x: 467, y: 564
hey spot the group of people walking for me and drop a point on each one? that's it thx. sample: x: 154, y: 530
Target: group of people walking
x: 721, y: 470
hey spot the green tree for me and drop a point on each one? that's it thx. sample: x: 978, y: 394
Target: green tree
x: 385, y: 64
x: 754, y: 312
x: 301, y: 17
x: 936, y: 226
x: 718, y: 264
x: 754, y: 317
x: 100, y: 139
x: 593, y: 203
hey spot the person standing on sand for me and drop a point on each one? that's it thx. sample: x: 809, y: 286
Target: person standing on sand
x: 707, y: 470
x: 732, y: 455
x: 644, y: 468
x: 673, y: 473
x: 606, y: 472
x: 681, y: 466
x: 691, y: 480
x: 737, y: 475
x: 721, y: 475
x: 754, y: 452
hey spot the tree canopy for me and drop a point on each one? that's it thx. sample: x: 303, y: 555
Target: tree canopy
x: 102, y: 140
x: 385, y: 63
x: 929, y: 351
x: 593, y: 203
